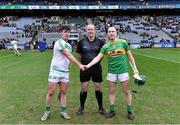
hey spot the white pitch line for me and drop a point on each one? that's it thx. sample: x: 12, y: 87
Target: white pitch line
x: 157, y: 58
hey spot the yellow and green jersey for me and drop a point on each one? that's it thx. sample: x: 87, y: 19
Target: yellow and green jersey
x: 117, y: 58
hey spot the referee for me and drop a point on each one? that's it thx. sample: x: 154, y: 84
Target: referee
x: 87, y: 49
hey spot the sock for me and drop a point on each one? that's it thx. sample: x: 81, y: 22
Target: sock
x: 83, y: 96
x: 99, y: 96
x: 112, y: 108
x: 129, y: 108
x: 63, y: 109
x: 48, y: 108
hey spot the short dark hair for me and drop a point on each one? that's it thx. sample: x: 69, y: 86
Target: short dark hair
x: 109, y: 27
x: 112, y: 26
x: 64, y: 27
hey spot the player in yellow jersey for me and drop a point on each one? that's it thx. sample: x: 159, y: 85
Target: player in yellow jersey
x: 117, y: 51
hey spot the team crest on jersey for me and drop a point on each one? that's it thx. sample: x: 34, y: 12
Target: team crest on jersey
x: 68, y: 47
x: 117, y: 52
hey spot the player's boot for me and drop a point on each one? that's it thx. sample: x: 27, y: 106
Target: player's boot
x: 102, y: 111
x: 80, y: 111
x: 65, y: 115
x: 130, y: 116
x: 45, y: 116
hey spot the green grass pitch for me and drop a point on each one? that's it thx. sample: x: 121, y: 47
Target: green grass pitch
x: 23, y: 87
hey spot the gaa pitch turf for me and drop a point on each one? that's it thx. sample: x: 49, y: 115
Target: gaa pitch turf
x: 23, y: 87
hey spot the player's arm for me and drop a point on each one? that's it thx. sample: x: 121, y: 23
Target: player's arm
x: 132, y: 62
x: 95, y: 60
x: 79, y: 56
x: 72, y: 59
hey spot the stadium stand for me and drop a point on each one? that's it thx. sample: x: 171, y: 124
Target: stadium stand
x: 135, y: 28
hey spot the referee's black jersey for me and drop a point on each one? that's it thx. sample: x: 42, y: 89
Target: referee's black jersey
x: 89, y: 49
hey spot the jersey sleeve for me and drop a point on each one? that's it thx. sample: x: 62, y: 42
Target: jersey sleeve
x: 79, y: 47
x: 103, y: 49
x: 60, y: 45
x: 126, y: 46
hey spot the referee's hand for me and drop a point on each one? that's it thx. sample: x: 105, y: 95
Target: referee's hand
x: 87, y: 67
x: 82, y: 67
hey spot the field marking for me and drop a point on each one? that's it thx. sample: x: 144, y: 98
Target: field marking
x: 156, y: 58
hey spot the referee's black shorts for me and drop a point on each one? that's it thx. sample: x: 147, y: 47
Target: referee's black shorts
x: 94, y: 73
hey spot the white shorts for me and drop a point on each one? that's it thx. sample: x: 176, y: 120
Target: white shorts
x: 58, y: 77
x: 117, y: 77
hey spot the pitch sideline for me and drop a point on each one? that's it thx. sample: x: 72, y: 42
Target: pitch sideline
x: 156, y: 58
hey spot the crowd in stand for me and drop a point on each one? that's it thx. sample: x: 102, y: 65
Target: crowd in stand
x: 140, y: 26
x: 172, y: 23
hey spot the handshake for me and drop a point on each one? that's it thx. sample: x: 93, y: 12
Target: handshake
x: 84, y: 67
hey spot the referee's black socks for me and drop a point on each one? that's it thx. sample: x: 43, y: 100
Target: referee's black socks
x: 83, y: 96
x: 99, y: 96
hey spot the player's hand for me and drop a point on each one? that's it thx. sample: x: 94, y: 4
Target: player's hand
x: 87, y: 67
x: 136, y: 71
x: 82, y: 67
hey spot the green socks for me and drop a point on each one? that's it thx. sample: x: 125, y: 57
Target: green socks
x: 129, y: 108
x: 48, y: 108
x: 63, y: 109
x: 112, y: 108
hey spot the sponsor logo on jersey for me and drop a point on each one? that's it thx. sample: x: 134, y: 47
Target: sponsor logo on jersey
x: 117, y: 52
